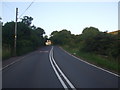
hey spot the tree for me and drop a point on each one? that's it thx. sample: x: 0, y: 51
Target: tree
x: 40, y: 32
x: 54, y: 33
x: 8, y: 33
x: 101, y: 43
x: 23, y: 31
x: 62, y: 37
x: 33, y: 27
x: 27, y: 20
x: 89, y: 32
x: 27, y: 38
x: 46, y: 38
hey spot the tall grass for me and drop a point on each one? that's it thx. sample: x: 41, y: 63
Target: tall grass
x: 93, y: 58
x: 6, y: 52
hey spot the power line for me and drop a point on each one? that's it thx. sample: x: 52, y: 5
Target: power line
x: 27, y: 8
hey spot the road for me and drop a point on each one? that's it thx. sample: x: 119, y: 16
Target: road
x: 52, y: 67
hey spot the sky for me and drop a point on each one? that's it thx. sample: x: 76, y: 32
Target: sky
x: 73, y: 16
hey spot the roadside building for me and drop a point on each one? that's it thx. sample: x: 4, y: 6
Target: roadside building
x: 115, y: 32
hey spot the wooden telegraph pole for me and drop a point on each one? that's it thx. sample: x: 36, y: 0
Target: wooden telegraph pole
x: 15, y: 32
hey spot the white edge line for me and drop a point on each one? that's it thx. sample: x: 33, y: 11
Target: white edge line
x: 60, y: 79
x: 90, y: 63
x: 12, y: 63
x: 71, y: 85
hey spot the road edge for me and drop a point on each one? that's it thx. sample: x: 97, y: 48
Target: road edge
x: 90, y: 63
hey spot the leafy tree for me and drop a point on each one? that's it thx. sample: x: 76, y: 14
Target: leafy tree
x: 28, y: 38
x: 46, y: 38
x: 23, y: 31
x: 87, y: 38
x: 54, y: 33
x: 62, y: 37
x: 33, y: 27
x: 89, y: 32
x: 27, y: 20
x: 101, y: 43
x: 8, y: 33
x: 40, y: 31
x: 91, y: 40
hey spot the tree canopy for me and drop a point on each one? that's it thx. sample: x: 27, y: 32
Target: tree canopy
x: 28, y: 38
x: 60, y: 37
x: 91, y: 40
x: 27, y: 20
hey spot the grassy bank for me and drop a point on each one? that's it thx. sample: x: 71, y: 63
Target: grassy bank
x: 6, y: 52
x: 98, y: 60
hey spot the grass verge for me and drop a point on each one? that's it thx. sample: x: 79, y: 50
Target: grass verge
x: 6, y: 53
x: 95, y: 59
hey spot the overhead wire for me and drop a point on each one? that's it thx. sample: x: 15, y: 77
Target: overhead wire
x: 27, y: 8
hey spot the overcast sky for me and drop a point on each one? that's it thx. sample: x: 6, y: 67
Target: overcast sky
x: 73, y: 16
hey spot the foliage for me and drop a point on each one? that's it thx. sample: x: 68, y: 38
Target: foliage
x: 27, y: 20
x: 91, y: 30
x: 99, y: 48
x: 91, y: 40
x: 6, y: 51
x: 61, y: 37
x: 101, y: 43
x: 28, y: 37
x: 95, y: 59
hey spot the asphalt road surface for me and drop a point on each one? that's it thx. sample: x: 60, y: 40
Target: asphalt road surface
x: 52, y: 67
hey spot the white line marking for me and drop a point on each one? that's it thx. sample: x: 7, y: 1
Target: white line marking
x: 14, y: 62
x: 62, y: 82
x: 11, y: 63
x: 44, y: 51
x: 70, y: 84
x: 60, y: 79
x: 90, y: 63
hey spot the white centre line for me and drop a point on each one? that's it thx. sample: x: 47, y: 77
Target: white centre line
x: 62, y: 82
x: 52, y: 60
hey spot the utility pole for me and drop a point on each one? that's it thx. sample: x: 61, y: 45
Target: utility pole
x: 15, y: 32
